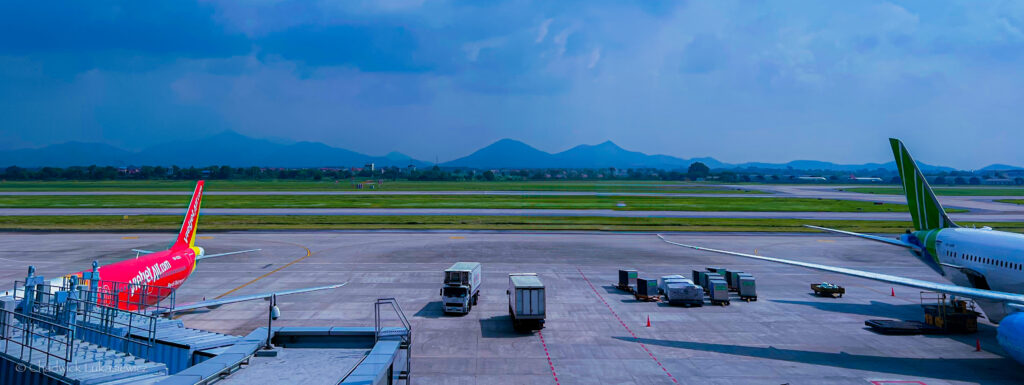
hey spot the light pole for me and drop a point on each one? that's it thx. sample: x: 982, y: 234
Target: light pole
x: 273, y: 313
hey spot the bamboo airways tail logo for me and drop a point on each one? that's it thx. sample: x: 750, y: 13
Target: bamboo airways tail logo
x: 925, y: 209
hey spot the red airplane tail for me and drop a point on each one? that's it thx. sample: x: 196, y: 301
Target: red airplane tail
x: 187, y: 235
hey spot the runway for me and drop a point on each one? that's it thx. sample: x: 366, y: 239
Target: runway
x: 808, y: 215
x: 594, y: 332
x: 973, y: 203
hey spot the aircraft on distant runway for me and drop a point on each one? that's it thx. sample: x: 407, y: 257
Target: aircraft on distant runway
x: 865, y: 178
x: 152, y: 276
x: 984, y: 264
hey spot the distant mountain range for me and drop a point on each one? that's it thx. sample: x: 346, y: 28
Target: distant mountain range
x: 508, y: 153
x: 1000, y: 167
x: 234, y: 149
x: 226, y: 148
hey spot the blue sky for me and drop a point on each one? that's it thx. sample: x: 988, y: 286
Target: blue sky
x: 736, y: 80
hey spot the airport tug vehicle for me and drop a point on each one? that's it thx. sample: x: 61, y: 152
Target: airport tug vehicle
x: 826, y: 289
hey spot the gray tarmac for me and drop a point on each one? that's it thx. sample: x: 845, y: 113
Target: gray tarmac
x: 594, y: 334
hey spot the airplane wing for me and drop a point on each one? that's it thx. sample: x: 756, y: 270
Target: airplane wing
x: 223, y: 254
x: 141, y: 251
x: 890, y: 241
x: 214, y: 303
x: 917, y: 283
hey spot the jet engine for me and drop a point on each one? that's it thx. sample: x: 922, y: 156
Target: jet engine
x: 1011, y: 336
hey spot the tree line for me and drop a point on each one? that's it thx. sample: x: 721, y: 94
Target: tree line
x: 695, y: 172
x: 14, y: 173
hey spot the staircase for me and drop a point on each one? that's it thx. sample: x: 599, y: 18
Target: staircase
x: 403, y: 333
x: 54, y: 352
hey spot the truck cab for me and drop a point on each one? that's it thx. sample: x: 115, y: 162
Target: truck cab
x: 461, y: 289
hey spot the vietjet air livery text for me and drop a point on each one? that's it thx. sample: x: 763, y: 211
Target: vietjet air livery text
x: 162, y: 269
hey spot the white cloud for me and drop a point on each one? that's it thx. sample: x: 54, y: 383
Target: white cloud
x: 562, y: 38
x: 473, y: 48
x: 542, y: 31
x: 595, y: 56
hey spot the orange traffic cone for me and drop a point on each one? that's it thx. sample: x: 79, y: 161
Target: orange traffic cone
x: 894, y: 292
x: 648, y: 321
x: 977, y: 345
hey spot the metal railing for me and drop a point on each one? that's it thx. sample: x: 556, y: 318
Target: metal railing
x: 129, y: 296
x: 378, y: 323
x: 106, y: 321
x: 32, y: 337
x: 92, y: 314
x: 405, y: 335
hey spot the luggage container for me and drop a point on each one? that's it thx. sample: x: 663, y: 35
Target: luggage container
x: 732, y: 278
x: 705, y: 277
x: 718, y: 291
x: 741, y: 275
x: 716, y: 270
x: 747, y: 288
x: 684, y: 294
x: 735, y: 286
x: 670, y: 278
x: 646, y: 289
x: 696, y: 277
x: 627, y: 280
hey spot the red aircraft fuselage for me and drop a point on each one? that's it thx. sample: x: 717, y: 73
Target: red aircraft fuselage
x: 148, y: 279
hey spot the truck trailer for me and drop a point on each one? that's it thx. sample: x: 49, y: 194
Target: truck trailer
x: 526, y: 301
x: 461, y: 288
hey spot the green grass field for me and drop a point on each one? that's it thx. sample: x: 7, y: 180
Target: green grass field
x: 293, y: 185
x: 452, y: 201
x: 170, y: 224
x: 1014, y: 201
x: 947, y: 191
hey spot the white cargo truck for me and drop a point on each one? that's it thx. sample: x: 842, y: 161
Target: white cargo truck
x: 526, y: 301
x: 461, y: 288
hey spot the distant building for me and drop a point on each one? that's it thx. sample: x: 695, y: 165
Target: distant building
x: 997, y: 181
x: 370, y: 166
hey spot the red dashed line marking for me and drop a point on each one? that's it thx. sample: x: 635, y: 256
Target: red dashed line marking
x: 551, y: 365
x: 621, y: 322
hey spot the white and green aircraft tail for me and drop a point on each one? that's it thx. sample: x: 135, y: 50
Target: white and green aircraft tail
x: 984, y: 264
